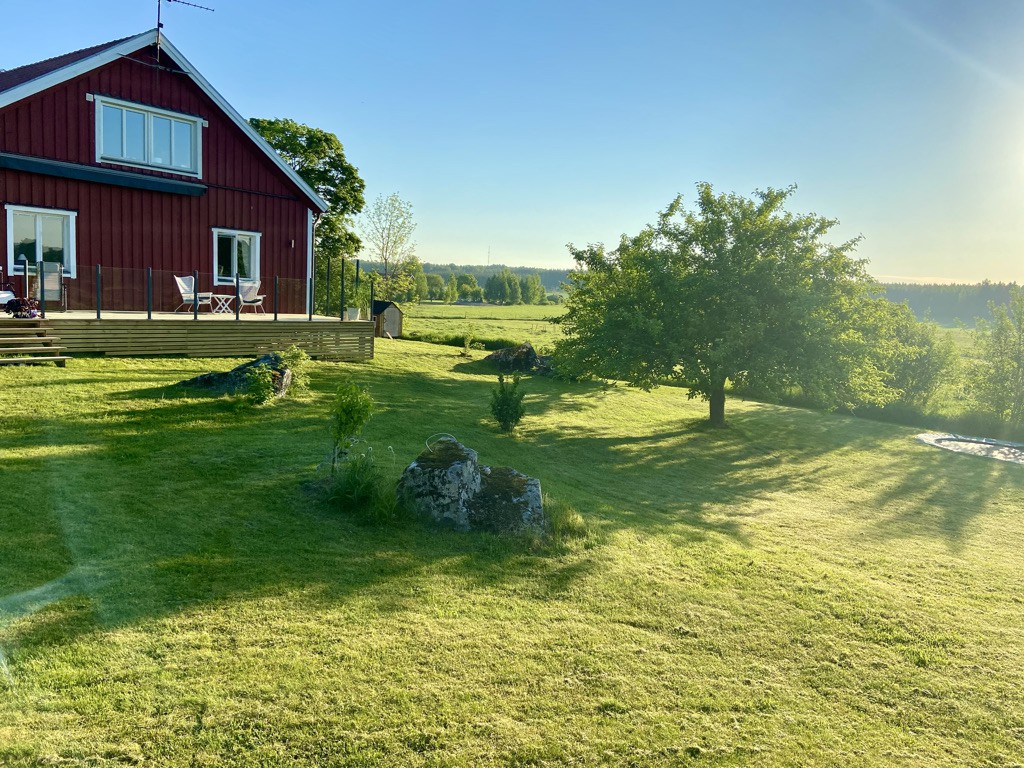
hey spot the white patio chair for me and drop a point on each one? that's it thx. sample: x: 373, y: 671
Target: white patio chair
x: 189, y: 296
x: 249, y: 295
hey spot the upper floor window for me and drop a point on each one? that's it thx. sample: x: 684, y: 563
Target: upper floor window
x: 151, y: 138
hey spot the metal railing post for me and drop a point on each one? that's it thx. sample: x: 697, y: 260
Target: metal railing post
x: 238, y: 299
x: 327, y: 306
x: 99, y: 292
x: 277, y: 284
x: 341, y: 311
x: 195, y: 294
x: 24, y: 276
x: 149, y: 293
x: 42, y: 289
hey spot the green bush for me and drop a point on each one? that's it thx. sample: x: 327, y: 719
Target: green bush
x: 350, y: 411
x: 507, y: 404
x: 260, y: 388
x: 297, y: 362
x: 361, y: 489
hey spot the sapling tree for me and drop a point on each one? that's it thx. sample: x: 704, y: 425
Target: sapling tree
x: 350, y: 411
x: 507, y: 404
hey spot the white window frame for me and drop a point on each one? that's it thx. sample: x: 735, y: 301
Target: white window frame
x: 230, y: 280
x: 70, y: 227
x: 197, y: 123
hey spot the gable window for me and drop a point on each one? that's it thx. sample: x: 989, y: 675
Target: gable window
x: 132, y: 134
x: 40, y: 234
x: 235, y: 253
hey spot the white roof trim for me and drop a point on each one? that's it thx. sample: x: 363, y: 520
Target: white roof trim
x: 58, y: 76
x: 133, y: 44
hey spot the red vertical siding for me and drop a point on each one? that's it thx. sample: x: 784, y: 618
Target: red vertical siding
x: 127, y: 230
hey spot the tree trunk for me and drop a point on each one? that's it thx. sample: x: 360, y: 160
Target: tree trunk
x: 716, y: 403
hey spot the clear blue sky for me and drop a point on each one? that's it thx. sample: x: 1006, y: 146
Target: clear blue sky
x: 523, y: 126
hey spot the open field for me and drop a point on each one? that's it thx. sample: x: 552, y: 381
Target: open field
x: 487, y: 323
x: 796, y: 589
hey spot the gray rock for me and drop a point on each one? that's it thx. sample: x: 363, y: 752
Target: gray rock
x: 508, y: 501
x: 447, y: 484
x: 522, y: 358
x: 442, y: 482
x: 236, y: 381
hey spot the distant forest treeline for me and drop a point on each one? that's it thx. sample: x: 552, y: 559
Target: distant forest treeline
x: 950, y: 304
x: 551, y: 279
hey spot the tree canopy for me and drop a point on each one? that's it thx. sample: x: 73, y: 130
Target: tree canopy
x: 319, y: 158
x: 387, y: 227
x: 999, y: 374
x: 737, y: 289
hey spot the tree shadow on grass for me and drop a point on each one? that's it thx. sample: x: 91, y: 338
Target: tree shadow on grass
x: 173, y: 503
x: 928, y: 492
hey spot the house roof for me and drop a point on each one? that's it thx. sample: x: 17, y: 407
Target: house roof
x: 22, y: 82
x: 12, y: 77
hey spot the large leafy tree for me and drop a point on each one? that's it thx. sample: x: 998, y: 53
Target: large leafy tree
x: 319, y: 158
x: 999, y: 374
x: 736, y: 289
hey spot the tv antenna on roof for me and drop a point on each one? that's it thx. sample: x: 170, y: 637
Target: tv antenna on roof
x: 160, y: 24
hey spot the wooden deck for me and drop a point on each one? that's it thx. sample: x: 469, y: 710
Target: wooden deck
x: 130, y: 334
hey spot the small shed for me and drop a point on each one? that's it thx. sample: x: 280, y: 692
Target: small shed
x: 388, y: 318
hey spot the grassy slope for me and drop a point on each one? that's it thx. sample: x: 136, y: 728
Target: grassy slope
x: 797, y: 589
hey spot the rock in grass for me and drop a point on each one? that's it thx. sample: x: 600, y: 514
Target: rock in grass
x: 447, y: 484
x: 508, y: 501
x: 520, y: 359
x: 236, y: 381
x: 442, y: 482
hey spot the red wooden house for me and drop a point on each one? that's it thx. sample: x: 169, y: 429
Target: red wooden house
x: 123, y: 155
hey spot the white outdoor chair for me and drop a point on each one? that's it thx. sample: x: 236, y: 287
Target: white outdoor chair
x: 249, y: 295
x: 189, y: 296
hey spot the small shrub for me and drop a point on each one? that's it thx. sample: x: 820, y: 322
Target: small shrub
x: 350, y: 411
x: 297, y: 362
x: 467, y: 342
x: 361, y: 489
x: 260, y: 390
x: 507, y: 404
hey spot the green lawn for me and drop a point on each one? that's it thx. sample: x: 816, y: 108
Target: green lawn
x: 796, y: 589
x: 489, y: 324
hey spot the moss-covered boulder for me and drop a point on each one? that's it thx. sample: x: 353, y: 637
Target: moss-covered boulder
x: 236, y: 381
x: 447, y: 484
x: 442, y: 482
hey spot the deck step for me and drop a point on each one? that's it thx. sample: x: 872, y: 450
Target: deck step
x: 18, y: 323
x: 58, y: 359
x: 21, y: 350
x: 8, y: 340
x: 34, y: 330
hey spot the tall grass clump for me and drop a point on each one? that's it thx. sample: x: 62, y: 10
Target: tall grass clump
x: 297, y: 361
x: 361, y: 489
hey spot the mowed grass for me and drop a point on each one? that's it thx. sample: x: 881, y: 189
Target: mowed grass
x: 795, y: 589
x: 488, y: 323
